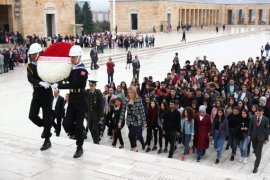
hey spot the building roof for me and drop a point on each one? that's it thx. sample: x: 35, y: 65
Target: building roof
x: 212, y: 1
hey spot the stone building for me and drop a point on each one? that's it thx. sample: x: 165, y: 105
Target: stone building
x: 142, y: 15
x: 99, y: 16
x: 41, y: 17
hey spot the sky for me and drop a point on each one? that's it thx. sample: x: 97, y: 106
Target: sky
x: 97, y: 5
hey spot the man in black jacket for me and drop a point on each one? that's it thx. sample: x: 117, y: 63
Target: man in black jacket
x: 77, y: 103
x: 258, y: 133
x: 94, y: 58
x: 171, y: 126
x: 136, y: 68
x: 42, y: 97
x: 234, y: 123
x: 57, y: 111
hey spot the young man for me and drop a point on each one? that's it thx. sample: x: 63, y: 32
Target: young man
x: 171, y: 125
x: 77, y: 104
x: 42, y: 97
x: 258, y: 133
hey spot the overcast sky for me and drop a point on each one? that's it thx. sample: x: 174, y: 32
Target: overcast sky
x: 100, y: 5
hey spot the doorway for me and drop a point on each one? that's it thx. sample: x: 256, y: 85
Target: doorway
x: 169, y: 18
x: 134, y: 21
x: 50, y: 20
x: 5, y: 20
x: 230, y: 17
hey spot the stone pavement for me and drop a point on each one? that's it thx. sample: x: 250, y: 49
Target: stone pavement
x: 20, y: 139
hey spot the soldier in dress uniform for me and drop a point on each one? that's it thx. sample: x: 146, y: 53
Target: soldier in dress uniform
x: 77, y: 104
x: 42, y: 97
x: 95, y: 110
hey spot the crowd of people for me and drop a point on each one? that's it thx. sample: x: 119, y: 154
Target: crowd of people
x: 195, y: 105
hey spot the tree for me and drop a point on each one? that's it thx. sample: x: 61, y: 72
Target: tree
x: 78, y: 14
x: 88, y: 24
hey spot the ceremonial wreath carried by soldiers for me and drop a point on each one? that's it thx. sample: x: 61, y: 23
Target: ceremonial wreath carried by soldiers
x: 78, y: 96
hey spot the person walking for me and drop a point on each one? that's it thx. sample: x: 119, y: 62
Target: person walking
x: 129, y: 59
x: 136, y: 68
x: 135, y: 120
x: 187, y: 130
x: 243, y: 136
x: 77, y: 104
x: 219, y: 132
x: 1, y: 62
x: 202, y: 132
x: 234, y: 123
x: 94, y: 58
x: 258, y: 133
x: 171, y: 126
x: 42, y: 97
x: 95, y: 110
x: 110, y: 70
x: 57, y: 111
x: 184, y: 36
x: 115, y: 117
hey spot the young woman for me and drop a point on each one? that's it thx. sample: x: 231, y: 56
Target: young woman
x: 152, y: 116
x: 135, y: 119
x: 124, y: 87
x: 243, y: 136
x: 129, y: 59
x: 115, y: 116
x: 187, y: 129
x: 161, y: 112
x: 219, y: 132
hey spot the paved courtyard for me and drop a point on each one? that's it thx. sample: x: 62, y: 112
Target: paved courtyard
x: 20, y: 139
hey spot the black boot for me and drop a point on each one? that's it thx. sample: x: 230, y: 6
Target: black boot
x: 46, y: 145
x: 78, y: 152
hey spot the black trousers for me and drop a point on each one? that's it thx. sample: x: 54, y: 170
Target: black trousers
x: 5, y: 67
x: 149, y: 135
x: 171, y: 136
x: 75, y: 114
x: 95, y: 135
x: 160, y: 137
x: 117, y: 135
x: 45, y: 122
x: 257, y: 146
x: 132, y: 135
x: 57, y: 125
x: 136, y: 74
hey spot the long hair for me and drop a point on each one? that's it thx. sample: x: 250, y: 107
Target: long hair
x: 133, y: 90
x: 190, y: 113
x: 223, y: 114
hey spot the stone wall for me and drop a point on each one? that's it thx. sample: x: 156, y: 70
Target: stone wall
x: 152, y: 13
x: 32, y: 19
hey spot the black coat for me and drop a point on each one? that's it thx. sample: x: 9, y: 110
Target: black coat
x: 172, y: 121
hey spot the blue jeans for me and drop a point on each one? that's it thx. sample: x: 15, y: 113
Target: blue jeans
x: 218, y: 143
x: 110, y: 78
x: 185, y: 141
x: 233, y: 140
x: 243, y: 146
x: 200, y: 153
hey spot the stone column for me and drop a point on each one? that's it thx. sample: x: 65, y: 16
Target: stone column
x: 245, y: 16
x: 194, y: 17
x: 208, y: 18
x: 189, y: 16
x: 114, y: 19
x: 185, y: 17
x: 235, y: 18
x: 205, y: 17
x: 198, y: 17
x: 267, y: 14
x: 257, y: 17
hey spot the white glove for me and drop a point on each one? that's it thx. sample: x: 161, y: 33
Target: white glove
x: 54, y: 86
x: 44, y: 84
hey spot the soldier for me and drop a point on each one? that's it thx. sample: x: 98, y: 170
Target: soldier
x: 42, y: 97
x: 77, y: 104
x: 95, y: 110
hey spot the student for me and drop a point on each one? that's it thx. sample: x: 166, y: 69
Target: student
x: 187, y: 130
x: 219, y: 132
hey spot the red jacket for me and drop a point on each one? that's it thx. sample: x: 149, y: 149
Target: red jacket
x: 110, y: 67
